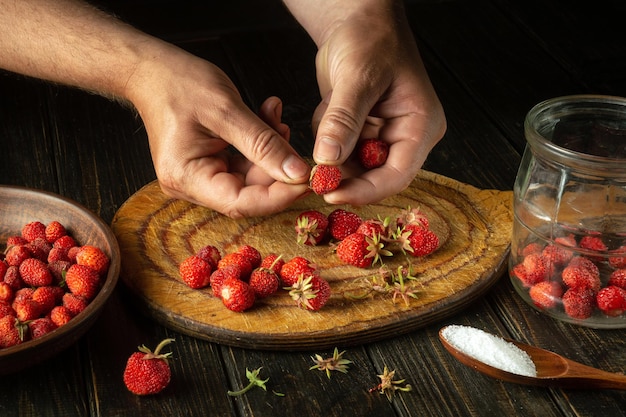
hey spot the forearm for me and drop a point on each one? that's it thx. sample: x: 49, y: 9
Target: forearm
x: 69, y: 42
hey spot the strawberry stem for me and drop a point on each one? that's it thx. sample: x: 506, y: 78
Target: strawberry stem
x: 255, y: 381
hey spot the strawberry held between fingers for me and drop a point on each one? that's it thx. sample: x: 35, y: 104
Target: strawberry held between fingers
x: 148, y: 372
x: 324, y: 179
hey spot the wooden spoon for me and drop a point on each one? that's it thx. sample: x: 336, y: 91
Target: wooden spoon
x: 552, y: 370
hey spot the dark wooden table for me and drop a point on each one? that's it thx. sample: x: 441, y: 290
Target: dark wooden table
x: 490, y: 61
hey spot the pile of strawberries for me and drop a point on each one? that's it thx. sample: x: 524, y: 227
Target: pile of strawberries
x: 559, y: 276
x: 363, y: 242
x: 241, y: 277
x: 47, y: 279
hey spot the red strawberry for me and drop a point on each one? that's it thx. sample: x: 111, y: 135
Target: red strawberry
x: 237, y: 295
x: 533, y: 247
x: 546, y: 294
x: 82, y: 280
x: 580, y: 277
x: 416, y: 240
x: 15, y: 255
x: 311, y: 227
x: 47, y: 297
x: 195, y: 272
x: 6, y: 293
x: 54, y: 231
x: 74, y: 303
x: 148, y: 372
x: 235, y: 258
x: 264, y: 282
x: 35, y: 272
x: 60, y: 315
x: 356, y: 250
x: 412, y: 216
x: 618, y: 278
x: 34, y: 230
x: 579, y: 302
x: 39, y: 248
x: 536, y: 268
x: 557, y: 256
x: 41, y: 327
x: 342, y: 223
x: 294, y: 268
x: 57, y: 254
x: 93, y: 257
x: 612, y: 300
x: 372, y: 152
x: 66, y: 242
x: 252, y: 254
x: 583, y: 262
x: 12, y: 331
x: 3, y: 268
x: 222, y: 274
x: 593, y: 243
x: 26, y: 309
x: 15, y: 241
x: 57, y: 269
x: 273, y: 262
x: 12, y: 277
x: 310, y: 293
x: 211, y: 254
x: 6, y: 310
x: 373, y: 227
x: 617, y: 257
x: 324, y: 179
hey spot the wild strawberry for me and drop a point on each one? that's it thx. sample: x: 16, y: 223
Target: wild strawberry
x: 580, y: 277
x: 324, y: 179
x: 310, y: 293
x: 617, y: 257
x: 54, y: 231
x: 39, y: 248
x: 41, y: 327
x: 618, y: 278
x: 533, y: 247
x: 13, y: 278
x: 15, y: 241
x: 47, y: 297
x: 237, y: 295
x: 35, y: 272
x: 6, y: 310
x: 58, y: 268
x: 6, y: 293
x: 311, y: 227
x: 60, y: 315
x: 264, y: 282
x: 584, y: 262
x: 74, y: 303
x: 57, y: 254
x: 536, y: 268
x: 72, y: 252
x: 148, y: 372
x: 342, y: 223
x: 94, y: 258
x: 416, y: 240
x: 12, y: 331
x: 211, y: 254
x: 252, y: 254
x: 15, y: 255
x: 593, y: 243
x: 557, y: 256
x: 236, y: 258
x: 612, y: 300
x: 34, y: 230
x: 294, y: 268
x: 195, y: 272
x: 82, y: 280
x: 412, y: 216
x: 360, y: 250
x: 568, y: 241
x: 3, y: 268
x: 372, y: 152
x: 222, y: 274
x: 579, y: 302
x: 274, y: 262
x: 373, y: 227
x: 65, y: 242
x: 546, y: 294
x: 25, y: 293
x: 27, y: 309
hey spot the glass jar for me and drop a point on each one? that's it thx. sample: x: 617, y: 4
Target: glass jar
x: 568, y: 251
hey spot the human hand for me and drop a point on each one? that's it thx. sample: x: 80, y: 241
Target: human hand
x: 373, y: 84
x: 192, y: 116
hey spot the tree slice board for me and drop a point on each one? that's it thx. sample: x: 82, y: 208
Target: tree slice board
x: 156, y: 233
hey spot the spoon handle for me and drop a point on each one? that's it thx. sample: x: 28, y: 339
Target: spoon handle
x: 583, y: 376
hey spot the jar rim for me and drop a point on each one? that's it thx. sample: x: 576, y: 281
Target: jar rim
x: 554, y: 109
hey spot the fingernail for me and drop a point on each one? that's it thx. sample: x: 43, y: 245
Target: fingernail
x: 294, y: 167
x: 327, y: 150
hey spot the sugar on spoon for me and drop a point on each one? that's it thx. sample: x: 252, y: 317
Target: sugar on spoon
x: 508, y: 360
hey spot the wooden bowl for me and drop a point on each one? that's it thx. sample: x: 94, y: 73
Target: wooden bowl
x: 19, y: 206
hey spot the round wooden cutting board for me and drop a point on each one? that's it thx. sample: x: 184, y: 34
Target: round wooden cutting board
x: 156, y: 233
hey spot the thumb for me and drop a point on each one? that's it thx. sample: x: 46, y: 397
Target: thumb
x: 341, y: 116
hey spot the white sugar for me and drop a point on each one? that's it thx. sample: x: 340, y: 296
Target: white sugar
x: 490, y: 349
